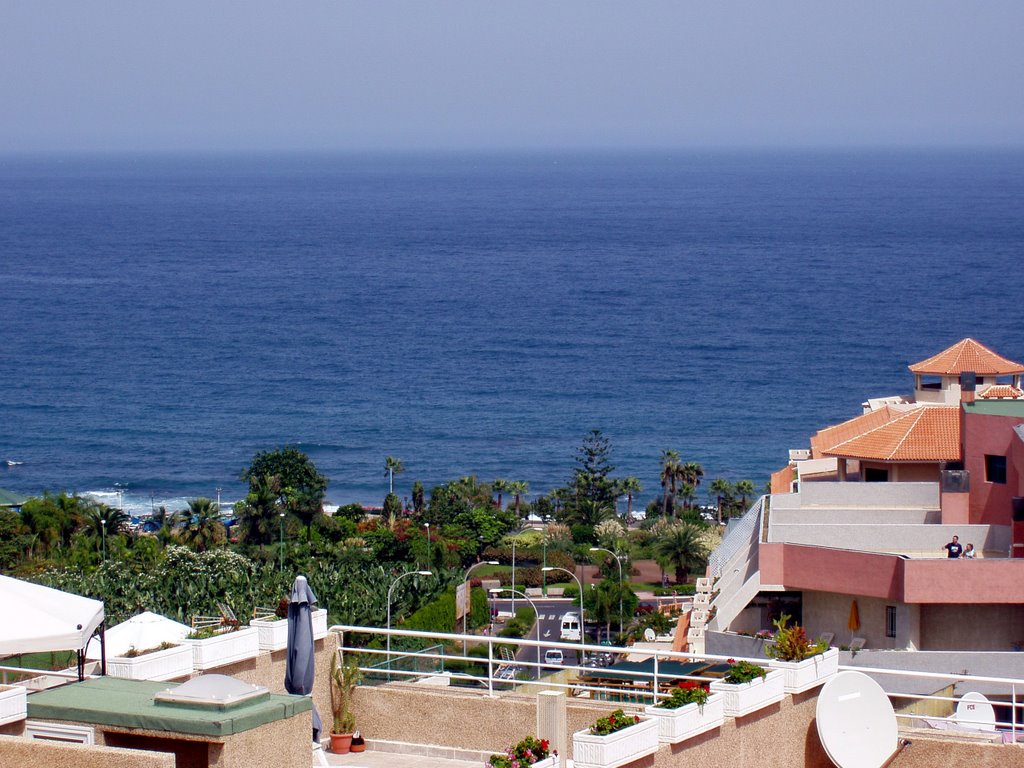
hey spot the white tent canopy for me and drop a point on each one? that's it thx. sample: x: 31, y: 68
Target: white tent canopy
x: 142, y: 632
x: 35, y: 618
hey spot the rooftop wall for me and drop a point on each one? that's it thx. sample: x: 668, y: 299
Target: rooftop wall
x: 885, y: 495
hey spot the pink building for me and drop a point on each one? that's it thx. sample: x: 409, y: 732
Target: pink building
x: 851, y: 539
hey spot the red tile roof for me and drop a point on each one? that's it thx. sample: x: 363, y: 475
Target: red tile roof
x: 926, y: 433
x: 1001, y: 391
x: 967, y: 355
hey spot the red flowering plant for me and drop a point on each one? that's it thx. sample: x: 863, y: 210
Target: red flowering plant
x: 525, y: 753
x: 616, y: 721
x: 743, y: 672
x: 687, y: 692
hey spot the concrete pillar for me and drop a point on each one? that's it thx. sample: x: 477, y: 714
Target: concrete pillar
x: 841, y: 469
x: 551, y: 721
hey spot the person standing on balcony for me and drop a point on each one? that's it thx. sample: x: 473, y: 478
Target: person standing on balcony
x: 969, y: 552
x: 954, y: 549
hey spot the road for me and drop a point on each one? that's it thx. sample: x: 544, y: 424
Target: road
x: 550, y: 612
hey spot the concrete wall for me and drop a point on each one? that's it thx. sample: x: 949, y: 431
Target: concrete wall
x: 912, y: 540
x: 17, y: 752
x: 853, y: 515
x: 988, y: 434
x: 972, y: 627
x: 829, y: 612
x: 884, y: 495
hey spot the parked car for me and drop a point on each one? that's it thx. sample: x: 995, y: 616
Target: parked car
x: 554, y: 658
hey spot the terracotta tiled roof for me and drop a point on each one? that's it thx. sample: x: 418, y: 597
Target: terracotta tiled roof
x: 967, y: 355
x: 839, y: 433
x: 928, y: 433
x: 1001, y: 391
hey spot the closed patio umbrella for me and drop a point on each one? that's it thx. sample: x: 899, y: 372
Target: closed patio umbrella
x: 300, y: 667
x: 854, y: 622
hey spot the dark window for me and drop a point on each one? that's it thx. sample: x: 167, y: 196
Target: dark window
x: 876, y: 475
x: 995, y: 469
x: 890, y: 621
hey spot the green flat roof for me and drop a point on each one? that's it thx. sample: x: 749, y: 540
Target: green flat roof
x: 996, y: 407
x: 129, y: 704
x: 10, y: 499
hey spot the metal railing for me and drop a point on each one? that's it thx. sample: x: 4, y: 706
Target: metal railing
x: 644, y: 686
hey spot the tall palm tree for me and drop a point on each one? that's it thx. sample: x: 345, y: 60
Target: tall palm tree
x: 721, y: 490
x: 669, y: 476
x: 681, y: 546
x: 257, y: 514
x: 744, y: 489
x: 691, y: 472
x: 392, y: 467
x: 630, y: 486
x: 517, y: 488
x: 588, y: 512
x: 499, y: 486
x: 200, y: 526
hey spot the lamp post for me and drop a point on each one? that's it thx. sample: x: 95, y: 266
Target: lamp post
x: 514, y: 573
x: 218, y: 500
x: 583, y: 635
x: 498, y: 591
x: 427, y: 526
x: 393, y: 583
x: 465, y: 615
x: 618, y: 563
x: 280, y: 526
x: 103, y: 536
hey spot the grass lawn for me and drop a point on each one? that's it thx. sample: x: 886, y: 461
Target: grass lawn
x: 45, y: 660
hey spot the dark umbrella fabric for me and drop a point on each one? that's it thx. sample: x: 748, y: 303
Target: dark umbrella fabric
x: 300, y: 667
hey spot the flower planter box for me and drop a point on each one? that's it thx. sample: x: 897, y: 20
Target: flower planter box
x: 744, y: 698
x: 615, y: 749
x: 676, y: 725
x: 224, y: 649
x: 274, y: 633
x: 803, y: 675
x: 158, y: 665
x: 13, y: 704
x: 547, y: 762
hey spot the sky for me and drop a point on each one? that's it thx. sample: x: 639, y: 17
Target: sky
x: 327, y: 76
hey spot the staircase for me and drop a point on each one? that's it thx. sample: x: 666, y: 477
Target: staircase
x: 733, y: 575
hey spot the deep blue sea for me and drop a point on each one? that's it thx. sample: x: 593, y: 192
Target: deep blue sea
x: 163, y: 318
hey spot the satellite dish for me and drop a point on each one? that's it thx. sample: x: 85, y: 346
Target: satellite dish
x: 856, y: 722
x: 649, y: 635
x: 975, y: 710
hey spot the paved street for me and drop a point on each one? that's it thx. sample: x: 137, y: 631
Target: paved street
x: 550, y: 612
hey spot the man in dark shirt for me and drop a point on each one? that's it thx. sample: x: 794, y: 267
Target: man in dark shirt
x: 954, y: 549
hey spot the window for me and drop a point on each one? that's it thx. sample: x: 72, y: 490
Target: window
x: 995, y: 469
x: 890, y: 621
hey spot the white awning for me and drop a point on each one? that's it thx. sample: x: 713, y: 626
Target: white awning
x: 36, y: 618
x: 142, y: 632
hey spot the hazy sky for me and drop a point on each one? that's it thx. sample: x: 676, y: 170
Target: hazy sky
x: 196, y: 74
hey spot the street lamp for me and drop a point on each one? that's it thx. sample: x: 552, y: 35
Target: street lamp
x: 427, y: 526
x: 465, y: 615
x: 523, y: 595
x: 583, y: 638
x: 280, y: 526
x: 398, y: 579
x: 103, y: 535
x: 218, y: 499
x: 618, y: 563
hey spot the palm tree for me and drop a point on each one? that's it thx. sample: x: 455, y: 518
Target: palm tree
x: 200, y: 526
x: 517, y: 488
x: 499, y: 486
x: 744, y: 488
x: 257, y: 514
x: 669, y: 476
x: 630, y: 486
x: 588, y: 512
x: 691, y: 472
x: 721, y: 489
x: 681, y: 547
x: 392, y: 467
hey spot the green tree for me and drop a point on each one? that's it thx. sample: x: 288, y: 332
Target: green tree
x: 592, y: 474
x: 300, y: 488
x: 499, y: 486
x: 392, y: 510
x: 257, y: 513
x: 14, y: 539
x: 392, y: 467
x: 517, y: 488
x: 744, y: 489
x: 681, y: 546
x: 200, y: 526
x: 721, y: 491
x: 417, y: 497
x: 630, y: 486
x: 669, y: 476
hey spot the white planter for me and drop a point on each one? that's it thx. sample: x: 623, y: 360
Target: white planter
x: 273, y: 634
x: 224, y: 649
x: 13, y: 704
x: 675, y: 725
x: 158, y: 665
x: 803, y: 675
x: 615, y: 749
x: 547, y: 762
x: 320, y: 625
x: 744, y: 698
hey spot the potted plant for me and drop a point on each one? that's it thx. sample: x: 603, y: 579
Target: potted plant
x: 806, y: 664
x: 688, y: 711
x: 344, y: 678
x: 272, y: 626
x: 747, y: 687
x: 615, y: 740
x: 163, y: 662
x: 226, y: 643
x: 13, y: 703
x: 358, y: 743
x: 529, y: 751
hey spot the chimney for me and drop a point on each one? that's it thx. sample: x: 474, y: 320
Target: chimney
x: 968, y: 383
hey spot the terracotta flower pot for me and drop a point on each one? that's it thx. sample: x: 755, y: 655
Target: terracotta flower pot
x: 341, y: 743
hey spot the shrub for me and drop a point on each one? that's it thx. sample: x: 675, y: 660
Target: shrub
x: 527, y: 752
x: 688, y: 692
x: 792, y: 643
x: 616, y: 721
x: 744, y: 672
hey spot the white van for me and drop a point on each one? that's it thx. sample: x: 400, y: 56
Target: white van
x: 570, y: 627
x: 554, y: 658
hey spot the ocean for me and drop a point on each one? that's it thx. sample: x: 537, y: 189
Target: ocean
x: 163, y: 318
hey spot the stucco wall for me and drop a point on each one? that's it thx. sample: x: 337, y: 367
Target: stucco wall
x: 16, y: 752
x: 972, y: 627
x: 913, y: 540
x: 883, y: 495
x: 828, y: 612
x: 988, y: 434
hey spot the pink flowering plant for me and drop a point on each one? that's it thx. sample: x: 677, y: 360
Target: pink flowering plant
x: 527, y: 752
x: 616, y: 721
x: 687, y: 692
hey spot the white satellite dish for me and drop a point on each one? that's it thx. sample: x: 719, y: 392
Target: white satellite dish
x: 975, y: 710
x: 856, y: 722
x: 649, y: 635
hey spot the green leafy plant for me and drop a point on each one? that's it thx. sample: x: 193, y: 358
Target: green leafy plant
x: 616, y: 721
x: 688, y: 692
x: 792, y: 643
x: 744, y: 672
x: 134, y: 652
x: 527, y: 752
x: 344, y: 676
